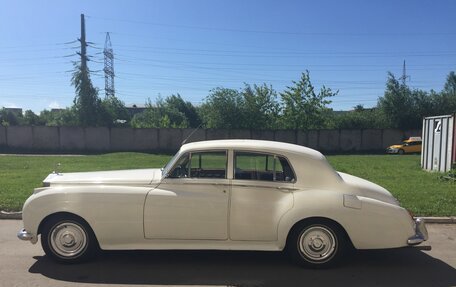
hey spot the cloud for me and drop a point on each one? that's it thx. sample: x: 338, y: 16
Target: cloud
x: 54, y: 105
x: 10, y: 105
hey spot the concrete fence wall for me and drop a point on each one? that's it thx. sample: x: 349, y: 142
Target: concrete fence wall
x: 102, y: 139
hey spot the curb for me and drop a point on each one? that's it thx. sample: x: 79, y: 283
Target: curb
x: 440, y: 220
x: 429, y: 219
x: 10, y: 215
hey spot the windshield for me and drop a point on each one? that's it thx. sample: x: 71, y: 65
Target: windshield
x: 166, y: 168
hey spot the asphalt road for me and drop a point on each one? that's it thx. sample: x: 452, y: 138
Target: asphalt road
x: 24, y: 264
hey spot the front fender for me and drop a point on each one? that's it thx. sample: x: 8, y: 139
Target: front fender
x: 106, y: 209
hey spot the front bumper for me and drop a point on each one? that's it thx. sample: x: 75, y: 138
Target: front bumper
x: 392, y: 150
x: 421, y: 233
x: 27, y: 236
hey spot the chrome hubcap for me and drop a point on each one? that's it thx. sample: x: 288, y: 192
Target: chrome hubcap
x: 68, y: 239
x: 317, y: 243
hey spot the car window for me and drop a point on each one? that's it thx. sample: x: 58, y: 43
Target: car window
x: 259, y: 166
x: 208, y: 164
x: 181, y: 167
x: 283, y: 170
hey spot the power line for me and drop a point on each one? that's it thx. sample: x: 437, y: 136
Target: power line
x: 223, y: 29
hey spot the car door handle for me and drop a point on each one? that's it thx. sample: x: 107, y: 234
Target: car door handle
x: 286, y: 189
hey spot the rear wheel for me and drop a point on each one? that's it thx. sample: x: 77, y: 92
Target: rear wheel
x: 318, y: 244
x: 68, y: 239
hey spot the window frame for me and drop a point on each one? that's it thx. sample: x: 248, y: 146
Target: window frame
x: 189, y: 154
x: 275, y: 156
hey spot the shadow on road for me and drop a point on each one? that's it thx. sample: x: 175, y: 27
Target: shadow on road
x: 400, y: 267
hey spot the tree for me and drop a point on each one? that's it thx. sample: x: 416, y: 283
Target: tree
x: 260, y: 108
x: 31, y: 119
x: 397, y: 104
x: 10, y: 118
x: 303, y: 108
x: 176, y: 103
x: 86, y: 102
x: 360, y: 118
x: 114, y: 112
x: 446, y: 104
x: 66, y: 117
x: 160, y: 115
x: 223, y: 108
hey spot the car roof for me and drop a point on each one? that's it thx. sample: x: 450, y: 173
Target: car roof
x: 413, y: 139
x: 254, y: 145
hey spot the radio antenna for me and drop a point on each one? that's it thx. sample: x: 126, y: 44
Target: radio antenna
x: 194, y: 131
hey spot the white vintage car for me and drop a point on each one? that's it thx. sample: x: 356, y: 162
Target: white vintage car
x: 222, y: 194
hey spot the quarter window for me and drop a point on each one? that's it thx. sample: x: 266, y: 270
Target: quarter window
x: 266, y: 167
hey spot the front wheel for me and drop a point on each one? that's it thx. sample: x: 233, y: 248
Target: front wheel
x: 68, y: 239
x: 317, y: 244
x: 401, y: 152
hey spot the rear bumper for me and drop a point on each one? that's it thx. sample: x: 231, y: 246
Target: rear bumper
x: 421, y: 233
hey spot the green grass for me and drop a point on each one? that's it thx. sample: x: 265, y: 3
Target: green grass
x: 422, y: 192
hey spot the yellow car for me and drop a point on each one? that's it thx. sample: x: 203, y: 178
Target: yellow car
x: 412, y: 145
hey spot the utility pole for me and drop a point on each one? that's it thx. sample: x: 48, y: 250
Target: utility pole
x: 404, y: 75
x: 83, y: 52
x: 109, y: 67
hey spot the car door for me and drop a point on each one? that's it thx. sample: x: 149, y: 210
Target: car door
x: 191, y: 202
x: 416, y: 146
x: 260, y: 194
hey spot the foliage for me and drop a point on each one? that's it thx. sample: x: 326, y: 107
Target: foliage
x: 176, y: 103
x: 64, y: 117
x: 9, y: 118
x: 164, y: 114
x: 251, y: 107
x: 397, y: 104
x: 114, y: 112
x: 360, y: 118
x: 303, y: 108
x: 31, y: 119
x: 446, y: 101
x: 254, y: 107
x: 260, y: 107
x: 223, y: 108
x: 86, y: 102
x: 405, y: 108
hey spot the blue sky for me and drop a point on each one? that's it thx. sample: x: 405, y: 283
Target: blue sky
x: 189, y: 47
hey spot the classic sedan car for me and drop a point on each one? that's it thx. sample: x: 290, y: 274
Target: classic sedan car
x: 225, y: 195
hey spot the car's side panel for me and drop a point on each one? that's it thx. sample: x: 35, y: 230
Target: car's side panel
x: 373, y: 226
x: 188, y: 208
x: 256, y: 208
x: 114, y: 213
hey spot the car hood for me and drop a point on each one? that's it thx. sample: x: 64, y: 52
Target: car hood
x: 117, y: 177
x: 368, y: 189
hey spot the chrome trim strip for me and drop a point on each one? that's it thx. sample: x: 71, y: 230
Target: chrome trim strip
x: 421, y: 233
x: 281, y: 188
x: 180, y: 182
